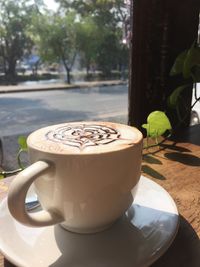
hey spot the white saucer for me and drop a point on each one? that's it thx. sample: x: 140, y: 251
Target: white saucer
x: 140, y: 237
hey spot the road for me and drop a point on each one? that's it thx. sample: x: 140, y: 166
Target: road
x: 24, y: 112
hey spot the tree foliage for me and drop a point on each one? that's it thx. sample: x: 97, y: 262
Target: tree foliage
x: 90, y: 29
x: 14, y: 40
x: 105, y: 12
x: 107, y: 18
x: 56, y: 38
x: 87, y: 41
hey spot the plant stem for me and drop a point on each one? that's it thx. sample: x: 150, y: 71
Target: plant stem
x: 197, y: 100
x: 195, y: 91
x: 8, y: 173
x: 19, y: 159
x: 157, y: 143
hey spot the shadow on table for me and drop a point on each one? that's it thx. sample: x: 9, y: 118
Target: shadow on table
x: 184, y: 251
x: 184, y: 158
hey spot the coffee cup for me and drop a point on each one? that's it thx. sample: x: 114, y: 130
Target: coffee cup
x: 84, y: 173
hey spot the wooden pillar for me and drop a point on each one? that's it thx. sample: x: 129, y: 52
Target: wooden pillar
x: 161, y: 29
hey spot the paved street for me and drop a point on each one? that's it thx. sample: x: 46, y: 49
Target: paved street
x: 24, y: 112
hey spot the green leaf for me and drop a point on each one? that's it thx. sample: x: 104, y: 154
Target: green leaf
x: 185, y: 61
x: 177, y: 68
x: 196, y: 74
x: 145, y: 126
x: 22, y: 143
x: 175, y: 95
x: 192, y: 59
x: 1, y: 176
x: 157, y: 124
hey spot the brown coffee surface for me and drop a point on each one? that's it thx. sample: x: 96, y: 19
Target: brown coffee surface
x: 84, y: 137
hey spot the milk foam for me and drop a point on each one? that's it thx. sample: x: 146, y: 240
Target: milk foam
x: 84, y: 137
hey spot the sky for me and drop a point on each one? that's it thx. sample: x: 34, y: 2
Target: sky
x: 51, y: 4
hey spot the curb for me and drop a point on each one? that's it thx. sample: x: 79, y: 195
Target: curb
x: 56, y: 86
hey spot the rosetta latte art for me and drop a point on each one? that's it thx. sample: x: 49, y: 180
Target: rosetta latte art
x: 82, y: 136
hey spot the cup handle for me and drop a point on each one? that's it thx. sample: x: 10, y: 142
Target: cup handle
x: 17, y: 195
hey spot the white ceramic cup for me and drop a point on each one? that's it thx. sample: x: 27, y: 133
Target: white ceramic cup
x: 85, y: 175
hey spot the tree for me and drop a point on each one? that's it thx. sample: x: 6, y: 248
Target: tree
x: 100, y: 45
x: 55, y: 36
x: 87, y: 41
x: 105, y: 12
x: 101, y: 32
x: 14, y: 40
x: 107, y: 56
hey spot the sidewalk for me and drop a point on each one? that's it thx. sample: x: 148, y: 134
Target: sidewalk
x: 56, y: 86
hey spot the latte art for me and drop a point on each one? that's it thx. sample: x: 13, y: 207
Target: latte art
x: 82, y: 136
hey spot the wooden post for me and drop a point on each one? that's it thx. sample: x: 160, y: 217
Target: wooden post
x: 161, y: 29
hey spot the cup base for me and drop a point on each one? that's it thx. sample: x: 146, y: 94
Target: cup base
x: 87, y: 230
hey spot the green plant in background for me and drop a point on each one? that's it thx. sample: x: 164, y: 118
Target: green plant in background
x: 188, y: 64
x: 187, y: 67
x: 22, y: 149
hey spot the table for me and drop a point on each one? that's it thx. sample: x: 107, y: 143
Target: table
x: 175, y: 165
